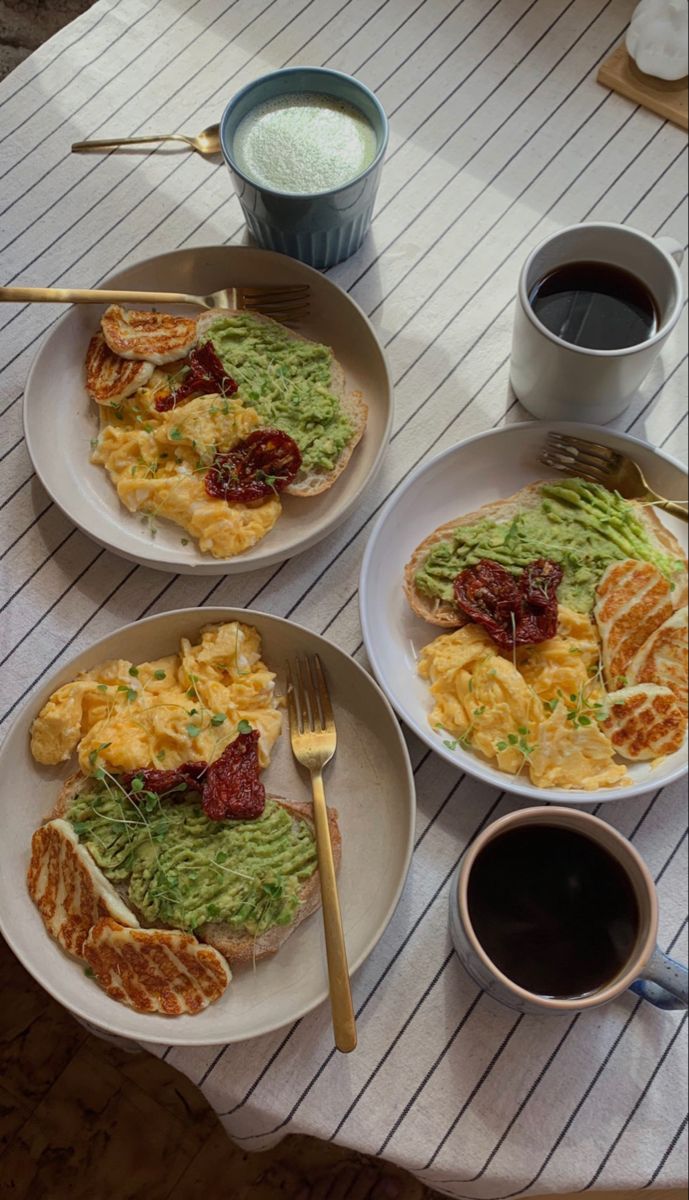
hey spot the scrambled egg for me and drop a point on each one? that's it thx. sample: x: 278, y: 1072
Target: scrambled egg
x: 158, y: 461
x: 537, y: 710
x: 182, y: 708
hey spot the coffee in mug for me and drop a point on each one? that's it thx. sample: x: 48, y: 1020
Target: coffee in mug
x: 595, y: 305
x: 552, y: 910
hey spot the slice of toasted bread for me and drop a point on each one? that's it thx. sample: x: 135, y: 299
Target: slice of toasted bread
x: 314, y: 482
x: 445, y: 614
x: 236, y: 945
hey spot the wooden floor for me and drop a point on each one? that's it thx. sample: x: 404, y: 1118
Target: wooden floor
x: 83, y: 1120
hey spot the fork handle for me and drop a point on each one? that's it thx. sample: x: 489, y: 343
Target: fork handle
x: 344, y: 1025
x: 91, y: 296
x: 675, y: 508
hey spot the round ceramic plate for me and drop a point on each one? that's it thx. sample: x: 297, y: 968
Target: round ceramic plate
x: 481, y: 470
x: 369, y: 782
x: 60, y: 420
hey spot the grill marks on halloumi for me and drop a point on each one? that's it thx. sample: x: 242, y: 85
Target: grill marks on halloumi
x: 633, y: 600
x: 157, y: 337
x: 645, y: 722
x: 664, y: 657
x: 155, y: 970
x: 110, y: 378
x: 68, y: 888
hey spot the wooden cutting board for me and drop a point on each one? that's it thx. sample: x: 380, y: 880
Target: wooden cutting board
x: 668, y: 99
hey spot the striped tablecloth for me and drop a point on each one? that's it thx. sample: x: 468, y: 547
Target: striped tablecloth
x: 499, y: 135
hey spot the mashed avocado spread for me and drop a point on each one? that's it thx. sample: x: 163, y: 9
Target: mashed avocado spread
x: 579, y: 525
x: 287, y: 382
x: 182, y: 869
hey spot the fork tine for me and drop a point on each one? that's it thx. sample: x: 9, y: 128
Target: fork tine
x: 569, y: 442
x: 323, y: 694
x: 282, y: 306
x: 291, y: 702
x: 258, y: 295
x: 593, y: 474
x: 305, y: 697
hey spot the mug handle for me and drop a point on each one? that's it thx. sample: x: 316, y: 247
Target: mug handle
x: 672, y: 248
x: 664, y: 983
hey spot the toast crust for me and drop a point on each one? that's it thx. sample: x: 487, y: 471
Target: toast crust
x: 441, y: 613
x: 352, y: 403
x: 237, y: 946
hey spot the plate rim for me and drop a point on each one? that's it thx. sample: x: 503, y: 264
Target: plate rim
x: 238, y: 564
x: 465, y: 762
x: 232, y: 613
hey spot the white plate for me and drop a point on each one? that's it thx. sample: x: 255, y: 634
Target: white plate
x: 479, y: 471
x: 60, y: 420
x: 370, y: 783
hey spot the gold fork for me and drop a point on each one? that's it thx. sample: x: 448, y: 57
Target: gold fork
x: 609, y: 467
x: 314, y: 738
x: 285, y: 304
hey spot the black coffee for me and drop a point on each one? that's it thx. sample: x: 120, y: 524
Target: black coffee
x: 554, y: 911
x: 595, y: 305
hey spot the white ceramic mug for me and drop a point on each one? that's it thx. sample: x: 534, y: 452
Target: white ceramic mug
x: 555, y: 380
x: 648, y: 972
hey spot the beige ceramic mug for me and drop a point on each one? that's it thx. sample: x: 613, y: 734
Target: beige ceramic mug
x: 647, y: 971
x: 556, y: 380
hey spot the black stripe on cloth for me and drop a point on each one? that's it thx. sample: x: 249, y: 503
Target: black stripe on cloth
x: 381, y: 46
x: 530, y: 1093
x: 403, y: 1029
x: 670, y: 215
x: 620, y: 175
x: 82, y: 34
x: 48, y: 610
x: 17, y: 490
x: 672, y: 856
x: 35, y: 521
x: 476, y: 67
x: 614, y: 1144
x: 36, y: 569
x: 103, y: 234
x: 666, y: 379
x: 362, y: 1007
x: 11, y: 449
x: 666, y: 1155
x: 656, y: 181
x: 44, y: 670
x: 410, y: 1104
x: 570, y: 1121
x: 496, y: 131
x: 131, y: 96
x: 674, y: 428
x: 52, y: 96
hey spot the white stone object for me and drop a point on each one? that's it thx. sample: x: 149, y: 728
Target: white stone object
x: 658, y: 38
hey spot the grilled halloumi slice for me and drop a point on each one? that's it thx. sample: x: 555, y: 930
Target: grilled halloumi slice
x: 645, y: 722
x: 155, y: 970
x: 156, y: 337
x: 664, y: 658
x: 632, y: 600
x: 110, y: 378
x: 68, y: 888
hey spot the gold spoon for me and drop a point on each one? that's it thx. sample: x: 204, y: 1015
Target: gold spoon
x: 207, y: 142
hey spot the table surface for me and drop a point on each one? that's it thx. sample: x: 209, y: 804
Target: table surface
x: 500, y: 135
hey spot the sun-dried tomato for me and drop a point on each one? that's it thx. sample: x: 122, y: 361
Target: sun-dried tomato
x: 517, y: 610
x: 206, y: 375
x: 264, y: 463
x: 161, y: 782
x: 232, y: 789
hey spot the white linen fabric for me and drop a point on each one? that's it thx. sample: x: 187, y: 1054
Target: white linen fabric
x: 500, y: 135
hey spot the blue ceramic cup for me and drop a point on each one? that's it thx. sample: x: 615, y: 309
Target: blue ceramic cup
x: 319, y: 228
x: 648, y: 972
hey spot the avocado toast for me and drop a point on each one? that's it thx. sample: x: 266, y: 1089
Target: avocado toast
x: 295, y: 385
x: 241, y: 886
x: 580, y: 525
